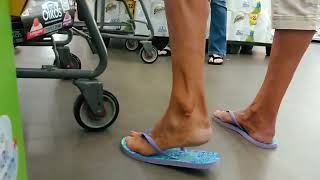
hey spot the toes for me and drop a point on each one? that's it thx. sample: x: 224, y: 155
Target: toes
x: 134, y: 143
x: 131, y: 142
x: 139, y: 145
x: 217, y: 113
x: 218, y: 61
x: 134, y: 133
x: 223, y: 115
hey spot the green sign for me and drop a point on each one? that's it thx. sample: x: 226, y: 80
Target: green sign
x: 12, y: 154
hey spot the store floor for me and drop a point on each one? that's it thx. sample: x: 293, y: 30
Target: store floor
x: 58, y: 149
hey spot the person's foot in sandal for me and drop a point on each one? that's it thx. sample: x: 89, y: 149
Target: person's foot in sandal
x: 165, y: 143
x: 165, y: 52
x: 185, y: 124
x: 215, y: 60
x: 175, y: 129
x: 254, y: 127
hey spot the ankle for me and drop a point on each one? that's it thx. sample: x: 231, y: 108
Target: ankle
x: 194, y: 118
x: 184, y: 106
x: 252, y: 110
x: 258, y: 122
x: 264, y: 108
x: 187, y: 108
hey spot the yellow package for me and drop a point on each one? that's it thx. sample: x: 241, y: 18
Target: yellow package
x: 16, y: 7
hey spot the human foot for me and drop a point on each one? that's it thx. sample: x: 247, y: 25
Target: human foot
x: 215, y: 60
x: 170, y: 132
x: 165, y: 52
x: 253, y: 123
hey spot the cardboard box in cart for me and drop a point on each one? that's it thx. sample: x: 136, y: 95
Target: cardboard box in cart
x: 12, y: 153
x: 41, y: 17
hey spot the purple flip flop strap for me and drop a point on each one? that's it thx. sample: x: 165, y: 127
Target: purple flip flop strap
x: 235, y: 121
x: 155, y: 147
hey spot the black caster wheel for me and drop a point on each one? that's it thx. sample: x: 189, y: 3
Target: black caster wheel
x: 132, y: 45
x: 268, y: 51
x: 86, y: 118
x: 106, y: 42
x: 73, y: 63
x: 246, y: 49
x: 233, y: 49
x: 149, y: 57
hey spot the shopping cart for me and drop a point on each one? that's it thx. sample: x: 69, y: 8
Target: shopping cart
x: 148, y: 52
x: 95, y: 108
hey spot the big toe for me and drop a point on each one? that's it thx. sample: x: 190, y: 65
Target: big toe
x: 132, y: 144
x: 134, y: 133
x: 222, y: 115
x: 139, y: 145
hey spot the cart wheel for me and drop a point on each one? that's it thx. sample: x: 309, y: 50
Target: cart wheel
x: 149, y: 57
x: 74, y: 63
x: 106, y: 42
x: 233, y: 49
x: 86, y: 118
x: 268, y: 51
x: 132, y: 45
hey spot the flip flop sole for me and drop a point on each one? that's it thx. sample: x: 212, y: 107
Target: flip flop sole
x: 245, y: 135
x: 213, y: 63
x: 193, y: 159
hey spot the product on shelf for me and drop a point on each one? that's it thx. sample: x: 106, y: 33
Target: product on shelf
x: 250, y: 21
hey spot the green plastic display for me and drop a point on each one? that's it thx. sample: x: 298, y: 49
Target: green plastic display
x: 12, y: 161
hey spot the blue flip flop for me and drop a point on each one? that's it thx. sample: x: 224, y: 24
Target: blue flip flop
x: 235, y: 126
x: 177, y: 157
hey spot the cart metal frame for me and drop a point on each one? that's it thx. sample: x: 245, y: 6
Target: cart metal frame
x: 146, y: 42
x: 91, y: 89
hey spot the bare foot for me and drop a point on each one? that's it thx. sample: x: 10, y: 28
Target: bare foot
x: 173, y: 131
x: 253, y: 123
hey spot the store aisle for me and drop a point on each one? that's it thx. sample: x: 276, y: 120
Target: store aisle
x: 57, y: 148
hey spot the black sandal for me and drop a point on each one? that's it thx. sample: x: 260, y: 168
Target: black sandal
x: 213, y: 58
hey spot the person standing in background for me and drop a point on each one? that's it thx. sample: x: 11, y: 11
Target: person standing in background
x: 217, y: 45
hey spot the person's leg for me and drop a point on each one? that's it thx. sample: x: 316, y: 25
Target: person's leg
x: 259, y: 118
x: 186, y: 121
x: 295, y: 30
x: 218, y: 31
